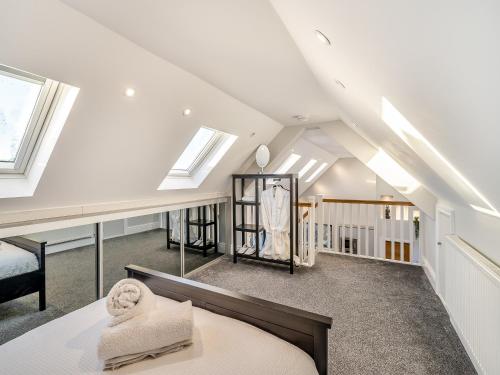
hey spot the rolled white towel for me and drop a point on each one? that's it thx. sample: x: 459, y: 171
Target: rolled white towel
x: 162, y: 330
x: 129, y: 298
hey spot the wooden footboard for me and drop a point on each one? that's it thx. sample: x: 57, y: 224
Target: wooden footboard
x: 27, y: 283
x: 306, y: 330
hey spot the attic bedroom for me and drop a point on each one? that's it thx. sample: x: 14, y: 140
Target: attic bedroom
x: 249, y: 187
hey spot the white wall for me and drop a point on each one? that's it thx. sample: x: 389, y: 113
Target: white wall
x: 114, y: 148
x: 383, y: 188
x: 348, y: 178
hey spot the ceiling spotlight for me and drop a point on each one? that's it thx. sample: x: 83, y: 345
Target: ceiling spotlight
x: 130, y: 92
x: 301, y: 118
x: 340, y: 83
x: 322, y: 38
x: 186, y: 112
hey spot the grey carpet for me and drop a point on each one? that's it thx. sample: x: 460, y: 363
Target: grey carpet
x: 386, y: 317
x: 70, y: 277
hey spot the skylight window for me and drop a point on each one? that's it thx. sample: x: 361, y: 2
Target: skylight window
x: 24, y: 103
x: 201, y: 155
x: 197, y: 148
x: 306, y: 167
x: 33, y: 112
x: 414, y: 139
x: 288, y: 163
x: 387, y: 168
x: 317, y: 172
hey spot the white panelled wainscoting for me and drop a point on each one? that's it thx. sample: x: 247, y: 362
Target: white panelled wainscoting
x: 469, y: 287
x: 70, y: 238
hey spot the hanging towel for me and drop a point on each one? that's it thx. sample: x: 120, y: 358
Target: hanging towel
x: 161, y: 331
x: 127, y: 299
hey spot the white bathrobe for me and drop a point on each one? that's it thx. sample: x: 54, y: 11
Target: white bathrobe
x: 175, y: 225
x: 275, y: 212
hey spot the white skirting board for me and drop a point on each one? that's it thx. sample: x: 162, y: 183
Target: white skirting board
x: 62, y: 240
x: 470, y: 292
x: 431, y: 275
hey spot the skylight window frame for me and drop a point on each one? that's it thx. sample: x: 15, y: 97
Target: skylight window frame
x: 288, y: 163
x: 202, y: 155
x: 317, y: 172
x: 37, y: 123
x: 204, y: 164
x: 307, y: 167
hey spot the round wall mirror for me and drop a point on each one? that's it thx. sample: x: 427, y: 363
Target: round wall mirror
x: 262, y: 156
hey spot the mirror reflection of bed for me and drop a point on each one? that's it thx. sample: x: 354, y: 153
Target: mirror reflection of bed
x: 66, y: 272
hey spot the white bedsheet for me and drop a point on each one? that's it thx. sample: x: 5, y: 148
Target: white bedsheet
x: 15, y: 261
x: 222, y: 346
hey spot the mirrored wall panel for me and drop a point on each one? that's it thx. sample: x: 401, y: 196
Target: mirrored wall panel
x: 44, y: 276
x: 203, y: 229
x: 139, y: 240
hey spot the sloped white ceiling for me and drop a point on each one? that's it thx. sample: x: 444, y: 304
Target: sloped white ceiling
x: 317, y: 137
x: 240, y: 46
x: 437, y: 63
x: 115, y: 148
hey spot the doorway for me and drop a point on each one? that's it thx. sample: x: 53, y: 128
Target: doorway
x: 445, y: 227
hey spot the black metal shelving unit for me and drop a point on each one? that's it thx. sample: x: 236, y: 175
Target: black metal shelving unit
x: 255, y: 227
x: 203, y: 224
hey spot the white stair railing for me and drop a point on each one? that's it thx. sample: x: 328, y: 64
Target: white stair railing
x: 366, y: 228
x: 306, y: 252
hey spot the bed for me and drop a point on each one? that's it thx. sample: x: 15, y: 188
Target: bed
x: 234, y: 334
x: 22, y: 269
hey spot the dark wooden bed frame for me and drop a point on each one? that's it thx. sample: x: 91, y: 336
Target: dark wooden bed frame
x: 26, y: 283
x: 306, y: 330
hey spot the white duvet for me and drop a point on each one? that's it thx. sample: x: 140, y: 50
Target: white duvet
x: 15, y: 261
x: 221, y: 346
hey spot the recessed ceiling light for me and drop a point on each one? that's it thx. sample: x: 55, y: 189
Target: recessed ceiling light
x: 340, y: 83
x: 130, y: 92
x: 322, y: 38
x: 186, y: 112
x: 301, y: 118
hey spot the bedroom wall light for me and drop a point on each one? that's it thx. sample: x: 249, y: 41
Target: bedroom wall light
x: 186, y: 112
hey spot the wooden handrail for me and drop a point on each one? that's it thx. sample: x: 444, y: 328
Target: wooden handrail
x: 304, y: 204
x: 354, y: 201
